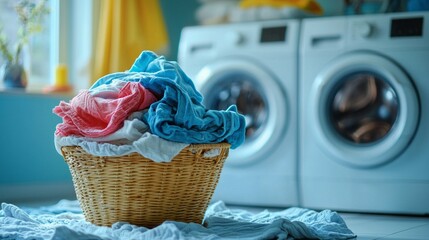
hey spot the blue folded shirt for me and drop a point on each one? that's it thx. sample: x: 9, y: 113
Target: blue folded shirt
x: 180, y: 115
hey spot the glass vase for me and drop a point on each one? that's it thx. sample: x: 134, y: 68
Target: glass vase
x: 13, y: 76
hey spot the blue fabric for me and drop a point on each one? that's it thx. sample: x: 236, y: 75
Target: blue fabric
x: 66, y: 221
x: 418, y: 5
x: 180, y: 115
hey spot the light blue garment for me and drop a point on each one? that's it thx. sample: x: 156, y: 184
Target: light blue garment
x: 179, y: 115
x: 66, y: 221
x: 295, y: 222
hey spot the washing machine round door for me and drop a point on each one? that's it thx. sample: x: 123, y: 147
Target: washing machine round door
x: 365, y: 109
x: 258, y: 96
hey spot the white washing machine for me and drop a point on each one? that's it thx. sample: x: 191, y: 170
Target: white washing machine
x: 364, y: 113
x: 252, y: 65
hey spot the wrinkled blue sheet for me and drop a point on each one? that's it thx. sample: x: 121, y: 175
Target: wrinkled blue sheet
x: 66, y: 221
x: 179, y: 115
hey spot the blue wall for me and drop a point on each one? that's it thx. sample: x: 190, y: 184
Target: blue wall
x: 30, y: 167
x: 178, y: 14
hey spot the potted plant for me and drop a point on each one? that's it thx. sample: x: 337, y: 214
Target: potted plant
x: 30, y: 15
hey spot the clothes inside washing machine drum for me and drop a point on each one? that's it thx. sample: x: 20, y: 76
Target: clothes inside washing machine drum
x: 364, y: 108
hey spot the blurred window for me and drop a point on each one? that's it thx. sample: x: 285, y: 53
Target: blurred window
x: 36, y: 56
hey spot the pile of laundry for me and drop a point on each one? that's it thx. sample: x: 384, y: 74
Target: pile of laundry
x: 153, y: 109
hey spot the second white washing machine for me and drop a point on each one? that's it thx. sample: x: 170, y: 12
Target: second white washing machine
x: 254, y: 66
x: 364, y: 122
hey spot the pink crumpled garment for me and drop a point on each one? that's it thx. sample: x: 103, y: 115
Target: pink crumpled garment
x: 92, y: 116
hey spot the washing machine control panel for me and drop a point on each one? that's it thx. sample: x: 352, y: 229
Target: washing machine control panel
x: 399, y: 27
x: 372, y: 32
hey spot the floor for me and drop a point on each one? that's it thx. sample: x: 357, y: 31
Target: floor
x: 380, y: 227
x: 387, y: 227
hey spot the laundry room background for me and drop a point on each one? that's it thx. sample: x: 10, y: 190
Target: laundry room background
x: 334, y: 93
x: 273, y: 60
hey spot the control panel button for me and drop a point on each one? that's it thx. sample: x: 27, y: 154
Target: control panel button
x: 234, y: 38
x: 362, y: 29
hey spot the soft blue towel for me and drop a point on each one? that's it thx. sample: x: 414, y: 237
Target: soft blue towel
x: 180, y: 115
x: 65, y: 221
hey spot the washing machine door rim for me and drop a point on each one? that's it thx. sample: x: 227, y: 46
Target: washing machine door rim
x: 216, y: 73
x: 400, y: 134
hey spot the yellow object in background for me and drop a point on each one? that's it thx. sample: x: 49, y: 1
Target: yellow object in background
x: 61, y: 78
x: 126, y: 28
x: 61, y: 83
x: 310, y: 6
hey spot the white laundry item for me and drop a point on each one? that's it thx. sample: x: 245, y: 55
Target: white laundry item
x: 266, y: 13
x: 108, y: 91
x: 148, y: 145
x: 131, y: 131
x: 212, y: 153
x: 132, y: 137
x: 215, y: 11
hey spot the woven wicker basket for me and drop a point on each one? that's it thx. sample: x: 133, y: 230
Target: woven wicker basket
x: 140, y: 191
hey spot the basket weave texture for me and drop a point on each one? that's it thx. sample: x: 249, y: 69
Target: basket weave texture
x: 140, y: 191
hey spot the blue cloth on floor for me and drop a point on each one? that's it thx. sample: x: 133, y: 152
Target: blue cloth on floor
x: 179, y: 115
x: 66, y: 221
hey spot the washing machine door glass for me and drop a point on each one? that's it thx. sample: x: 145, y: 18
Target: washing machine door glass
x: 244, y: 91
x: 364, y: 109
x: 257, y: 95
